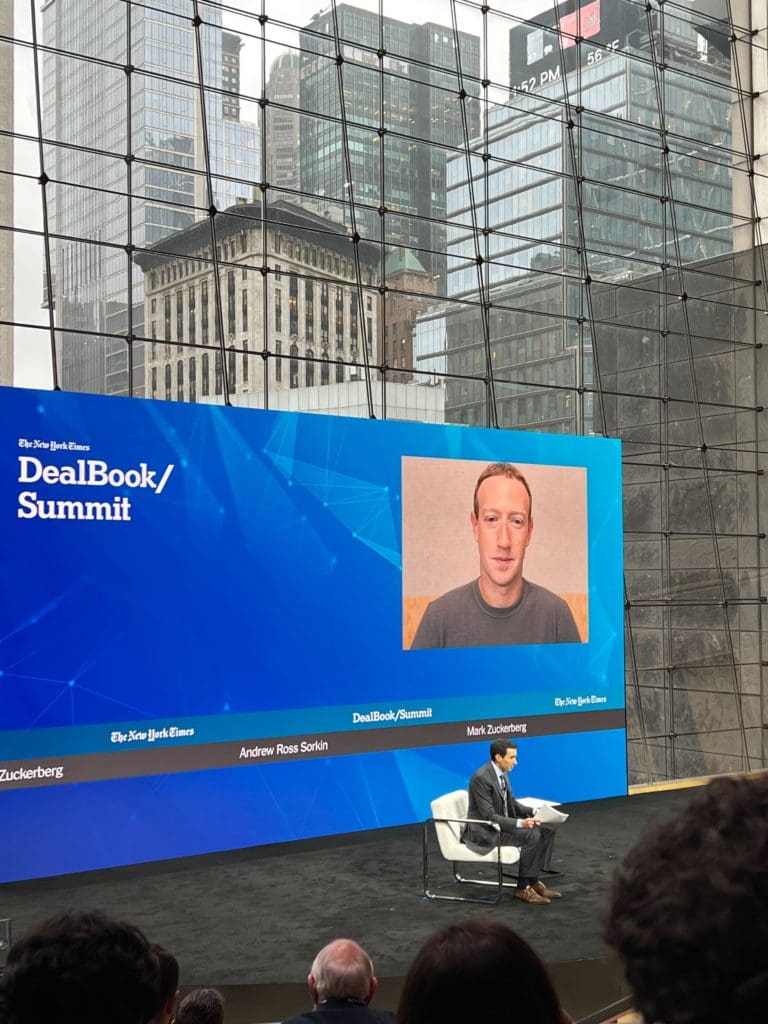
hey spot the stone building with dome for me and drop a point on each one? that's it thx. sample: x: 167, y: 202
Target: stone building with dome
x: 292, y: 307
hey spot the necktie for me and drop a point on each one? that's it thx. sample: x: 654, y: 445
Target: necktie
x: 504, y: 793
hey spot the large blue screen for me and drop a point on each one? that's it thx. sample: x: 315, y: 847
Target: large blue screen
x: 204, y: 629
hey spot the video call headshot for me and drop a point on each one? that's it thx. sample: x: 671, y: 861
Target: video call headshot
x: 505, y: 597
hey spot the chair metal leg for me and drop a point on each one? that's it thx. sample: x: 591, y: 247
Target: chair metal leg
x: 482, y: 881
x: 500, y: 884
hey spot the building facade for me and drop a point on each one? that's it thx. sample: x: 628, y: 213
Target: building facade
x: 301, y: 323
x: 538, y: 241
x: 282, y: 121
x: 383, y: 146
x: 409, y: 288
x: 94, y: 286
x: 6, y: 194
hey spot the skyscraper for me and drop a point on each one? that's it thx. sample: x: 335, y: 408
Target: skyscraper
x: 282, y: 121
x: 158, y: 157
x: 636, y: 213
x: 6, y: 193
x: 398, y: 138
x: 231, y: 45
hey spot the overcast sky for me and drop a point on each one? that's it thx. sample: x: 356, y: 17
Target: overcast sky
x: 32, y: 347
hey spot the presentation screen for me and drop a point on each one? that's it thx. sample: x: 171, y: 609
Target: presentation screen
x: 224, y: 628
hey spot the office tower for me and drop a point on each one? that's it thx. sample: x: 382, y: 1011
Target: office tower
x: 160, y: 162
x: 578, y: 194
x: 231, y: 45
x: 397, y: 147
x: 6, y: 193
x: 282, y: 122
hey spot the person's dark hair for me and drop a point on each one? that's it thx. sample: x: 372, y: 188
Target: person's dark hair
x: 689, y: 910
x: 167, y: 975
x: 201, y: 1006
x: 511, y: 473
x: 79, y: 968
x: 477, y: 960
x: 500, y: 747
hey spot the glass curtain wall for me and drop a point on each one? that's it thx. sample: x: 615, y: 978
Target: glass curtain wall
x: 531, y: 216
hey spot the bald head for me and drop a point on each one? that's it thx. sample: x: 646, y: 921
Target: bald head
x: 342, y: 970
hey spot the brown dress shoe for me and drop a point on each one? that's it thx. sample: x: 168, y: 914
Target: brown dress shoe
x: 527, y: 895
x: 542, y: 890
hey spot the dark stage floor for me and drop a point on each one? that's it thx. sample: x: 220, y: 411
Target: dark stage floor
x: 252, y: 920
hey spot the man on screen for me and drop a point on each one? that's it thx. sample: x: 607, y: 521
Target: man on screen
x: 500, y: 606
x: 491, y: 799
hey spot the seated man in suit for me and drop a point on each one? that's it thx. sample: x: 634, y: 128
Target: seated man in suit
x: 342, y: 984
x: 491, y: 799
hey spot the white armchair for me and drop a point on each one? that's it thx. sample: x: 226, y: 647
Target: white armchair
x: 449, y: 816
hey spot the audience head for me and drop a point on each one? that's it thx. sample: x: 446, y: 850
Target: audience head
x: 167, y: 984
x: 342, y: 970
x: 689, y: 910
x: 201, y: 1006
x: 79, y: 968
x: 477, y: 961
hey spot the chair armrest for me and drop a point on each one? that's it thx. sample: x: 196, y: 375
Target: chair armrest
x: 469, y: 821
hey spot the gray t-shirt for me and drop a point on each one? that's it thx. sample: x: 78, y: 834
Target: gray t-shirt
x: 461, y: 618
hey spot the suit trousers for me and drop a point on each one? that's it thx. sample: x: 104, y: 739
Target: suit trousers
x: 535, y: 849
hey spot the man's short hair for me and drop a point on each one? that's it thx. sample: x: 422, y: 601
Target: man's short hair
x: 511, y: 473
x: 79, y: 968
x: 689, y: 910
x: 342, y: 970
x: 167, y: 975
x: 477, y: 962
x: 201, y: 1006
x: 501, y: 747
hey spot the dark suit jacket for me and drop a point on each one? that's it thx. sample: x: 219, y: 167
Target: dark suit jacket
x: 343, y: 1011
x: 486, y: 802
